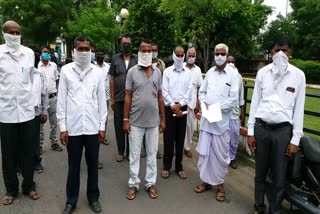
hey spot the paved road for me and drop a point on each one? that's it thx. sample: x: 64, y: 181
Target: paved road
x: 176, y: 196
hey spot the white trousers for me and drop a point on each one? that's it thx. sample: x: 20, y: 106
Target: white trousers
x: 191, y: 126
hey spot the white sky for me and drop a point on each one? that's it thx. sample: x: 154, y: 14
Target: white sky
x: 279, y: 6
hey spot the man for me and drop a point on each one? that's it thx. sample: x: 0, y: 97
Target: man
x: 237, y: 116
x: 220, y: 88
x: 104, y: 68
x: 177, y: 87
x: 119, y: 67
x: 194, y: 105
x: 275, y: 123
x: 93, y: 52
x: 82, y: 113
x: 143, y: 101
x: 156, y: 62
x: 17, y: 124
x: 50, y: 71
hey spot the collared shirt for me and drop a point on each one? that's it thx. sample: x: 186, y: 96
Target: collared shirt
x: 283, y: 103
x: 240, y: 101
x: 119, y: 70
x: 219, y: 87
x: 40, y: 93
x: 81, y: 105
x: 176, y: 86
x: 105, y: 70
x: 51, y: 72
x: 196, y: 83
x: 16, y: 77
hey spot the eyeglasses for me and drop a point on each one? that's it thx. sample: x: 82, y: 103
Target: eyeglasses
x: 221, y: 54
x: 283, y: 50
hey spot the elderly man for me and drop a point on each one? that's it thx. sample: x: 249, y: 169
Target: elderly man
x: 120, y: 64
x: 194, y: 105
x: 143, y: 101
x: 275, y: 123
x: 17, y: 124
x: 177, y: 88
x: 82, y: 113
x: 220, y: 87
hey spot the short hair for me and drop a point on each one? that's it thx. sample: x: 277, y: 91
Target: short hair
x: 80, y: 38
x: 283, y: 40
x: 154, y: 44
x: 125, y: 35
x: 221, y: 46
x: 147, y: 41
x: 92, y: 45
x: 192, y: 50
x: 178, y: 46
x: 5, y: 25
x: 100, y: 50
x: 45, y: 46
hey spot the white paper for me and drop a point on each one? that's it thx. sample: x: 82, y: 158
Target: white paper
x: 184, y: 112
x: 213, y: 113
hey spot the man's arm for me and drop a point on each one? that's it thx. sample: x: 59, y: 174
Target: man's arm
x: 102, y: 108
x: 231, y: 100
x: 186, y: 98
x: 126, y: 110
x: 44, y: 99
x: 165, y: 88
x: 62, y: 107
x: 162, y: 112
x: 241, y: 101
x: 112, y: 81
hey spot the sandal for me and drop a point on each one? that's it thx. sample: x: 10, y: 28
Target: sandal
x: 202, y: 188
x: 159, y: 156
x: 33, y: 195
x: 152, y: 192
x: 132, y: 192
x: 165, y: 174
x: 220, y: 195
x: 182, y: 174
x: 7, y: 200
x: 119, y: 158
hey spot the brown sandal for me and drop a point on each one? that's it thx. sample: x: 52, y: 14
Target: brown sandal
x: 202, y: 188
x: 152, y: 192
x: 165, y: 174
x: 33, y: 195
x: 119, y: 158
x: 182, y: 174
x: 220, y: 195
x: 7, y: 200
x: 132, y: 192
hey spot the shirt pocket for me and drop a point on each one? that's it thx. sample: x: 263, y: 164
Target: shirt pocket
x: 25, y: 74
x: 289, y: 98
x: 224, y: 89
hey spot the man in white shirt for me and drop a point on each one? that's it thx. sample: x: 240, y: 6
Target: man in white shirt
x: 49, y: 69
x: 275, y: 123
x: 82, y: 113
x: 194, y: 105
x: 176, y: 89
x: 220, y: 87
x: 237, y: 116
x: 17, y: 124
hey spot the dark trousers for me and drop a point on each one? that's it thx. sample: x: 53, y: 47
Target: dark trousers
x: 37, y: 155
x: 173, y: 136
x: 118, y: 126
x: 17, y: 148
x: 75, y: 148
x: 271, y: 147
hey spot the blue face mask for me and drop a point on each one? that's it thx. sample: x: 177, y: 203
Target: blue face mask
x: 45, y: 56
x: 154, y: 55
x: 93, y: 56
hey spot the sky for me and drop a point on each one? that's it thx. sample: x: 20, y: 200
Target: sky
x: 279, y: 6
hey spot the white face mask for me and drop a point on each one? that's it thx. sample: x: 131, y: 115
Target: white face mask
x: 177, y: 61
x: 13, y: 43
x: 280, y: 62
x: 220, y: 60
x: 154, y: 55
x: 82, y: 58
x: 191, y: 60
x: 144, y: 59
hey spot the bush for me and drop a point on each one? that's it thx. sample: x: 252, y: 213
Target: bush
x: 310, y: 68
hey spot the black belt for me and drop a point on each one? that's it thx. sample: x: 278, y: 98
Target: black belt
x: 272, y: 125
x: 52, y: 95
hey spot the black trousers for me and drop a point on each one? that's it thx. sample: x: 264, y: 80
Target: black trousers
x: 37, y: 155
x: 75, y: 148
x: 173, y: 136
x: 271, y: 147
x: 17, y: 148
x: 118, y: 126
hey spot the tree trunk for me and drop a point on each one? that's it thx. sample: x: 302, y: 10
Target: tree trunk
x: 206, y: 48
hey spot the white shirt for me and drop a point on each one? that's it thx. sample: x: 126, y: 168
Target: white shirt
x: 176, y: 86
x: 51, y: 72
x: 240, y: 101
x: 196, y: 83
x: 40, y: 93
x: 16, y: 77
x: 105, y: 70
x: 81, y: 105
x: 219, y: 87
x: 285, y: 103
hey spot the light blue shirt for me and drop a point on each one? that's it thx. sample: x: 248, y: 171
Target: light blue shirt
x: 176, y: 86
x: 219, y: 87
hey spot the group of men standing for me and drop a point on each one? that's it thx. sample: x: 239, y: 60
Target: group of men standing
x: 147, y: 99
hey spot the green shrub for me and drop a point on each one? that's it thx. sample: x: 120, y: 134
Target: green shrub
x: 310, y: 68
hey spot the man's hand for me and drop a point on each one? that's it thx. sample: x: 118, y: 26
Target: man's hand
x: 180, y: 114
x: 162, y: 126
x: 251, y: 143
x: 112, y: 105
x: 126, y: 126
x: 176, y: 108
x: 102, y: 136
x: 292, y: 149
x: 64, y: 138
x: 43, y: 118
